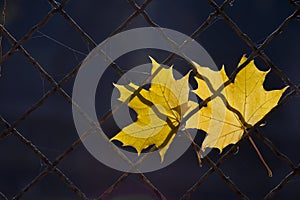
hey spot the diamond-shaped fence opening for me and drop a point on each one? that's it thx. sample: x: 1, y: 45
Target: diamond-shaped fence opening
x: 42, y: 47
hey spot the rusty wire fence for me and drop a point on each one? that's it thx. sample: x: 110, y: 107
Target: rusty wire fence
x: 50, y: 165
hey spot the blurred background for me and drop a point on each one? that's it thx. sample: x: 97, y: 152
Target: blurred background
x: 59, y: 48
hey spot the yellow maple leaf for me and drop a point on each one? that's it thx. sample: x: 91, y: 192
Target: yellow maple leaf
x: 159, y: 110
x: 246, y: 95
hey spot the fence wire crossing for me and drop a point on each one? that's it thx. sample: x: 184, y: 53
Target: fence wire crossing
x: 140, y: 10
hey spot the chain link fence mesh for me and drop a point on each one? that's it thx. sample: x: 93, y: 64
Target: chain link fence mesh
x: 53, y: 166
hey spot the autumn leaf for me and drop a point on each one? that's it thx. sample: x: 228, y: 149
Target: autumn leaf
x: 159, y: 110
x: 246, y: 95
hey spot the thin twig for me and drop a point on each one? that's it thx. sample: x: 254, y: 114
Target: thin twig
x: 259, y: 154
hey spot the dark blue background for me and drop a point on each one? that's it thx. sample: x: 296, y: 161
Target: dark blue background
x: 51, y: 126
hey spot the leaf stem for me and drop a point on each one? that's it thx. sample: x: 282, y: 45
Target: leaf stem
x: 259, y: 154
x: 196, y: 147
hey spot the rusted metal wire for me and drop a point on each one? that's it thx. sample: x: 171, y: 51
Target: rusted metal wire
x: 257, y: 50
